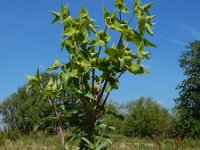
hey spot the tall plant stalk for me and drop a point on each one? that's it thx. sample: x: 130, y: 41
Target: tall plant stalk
x: 94, y: 66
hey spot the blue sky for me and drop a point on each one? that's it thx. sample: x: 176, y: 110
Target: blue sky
x: 28, y: 41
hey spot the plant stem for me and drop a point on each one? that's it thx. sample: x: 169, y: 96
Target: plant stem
x: 103, y: 105
x: 102, y: 91
x: 62, y: 138
x: 93, y: 70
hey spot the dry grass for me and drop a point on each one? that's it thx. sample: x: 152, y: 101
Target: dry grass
x: 40, y: 142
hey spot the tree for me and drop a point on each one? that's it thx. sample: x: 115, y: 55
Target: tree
x: 21, y: 111
x: 113, y: 117
x: 95, y: 64
x: 146, y: 118
x: 188, y: 102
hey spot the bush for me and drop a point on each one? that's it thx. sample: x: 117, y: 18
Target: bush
x: 12, y: 135
x: 2, y: 138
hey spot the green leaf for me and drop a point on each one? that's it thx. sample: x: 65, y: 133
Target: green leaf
x: 50, y: 83
x: 70, y: 31
x: 101, y: 38
x: 133, y: 36
x: 104, y: 36
x: 98, y: 43
x: 141, y: 23
x: 109, y: 18
x: 84, y: 66
x: 113, y: 83
x: 68, y: 45
x: 102, y: 125
x: 103, y: 63
x: 137, y: 3
x: 147, y: 6
x: 66, y: 76
x: 31, y: 78
x: 137, y: 69
x: 92, y: 27
x: 56, y: 65
x: 65, y: 11
x: 113, y: 53
x: 89, y: 144
x: 127, y: 60
x: 54, y: 87
x: 83, y: 12
x: 120, y: 5
x: 35, y: 79
x: 104, y: 144
x: 148, y: 43
x: 148, y: 28
x: 108, y: 88
x: 57, y: 16
x: 89, y: 95
x: 38, y: 74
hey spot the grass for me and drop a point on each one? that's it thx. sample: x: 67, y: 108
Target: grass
x: 31, y: 142
x: 120, y: 142
x: 124, y: 143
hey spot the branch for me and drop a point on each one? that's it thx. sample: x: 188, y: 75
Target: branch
x: 102, y: 91
x: 53, y: 107
x: 98, y: 90
x: 62, y: 139
x: 136, y: 26
x: 120, y: 16
x: 98, y: 54
x: 82, y: 96
x: 99, y: 51
x: 63, y: 97
x: 103, y: 105
x: 126, y: 46
x: 85, y: 82
x: 131, y: 17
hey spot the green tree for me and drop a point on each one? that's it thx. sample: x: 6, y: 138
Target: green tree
x: 21, y: 111
x: 95, y: 64
x: 188, y: 102
x: 146, y: 118
x: 114, y: 117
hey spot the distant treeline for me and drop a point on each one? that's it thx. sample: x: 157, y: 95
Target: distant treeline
x: 22, y: 113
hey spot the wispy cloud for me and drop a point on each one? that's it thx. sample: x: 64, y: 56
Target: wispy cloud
x: 146, y: 66
x: 194, y: 32
x: 160, y: 102
x: 41, y: 66
x: 174, y: 41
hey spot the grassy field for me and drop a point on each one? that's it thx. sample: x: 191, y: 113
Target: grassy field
x: 40, y: 142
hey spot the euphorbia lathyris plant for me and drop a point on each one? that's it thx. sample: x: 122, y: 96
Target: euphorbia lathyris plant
x: 94, y: 66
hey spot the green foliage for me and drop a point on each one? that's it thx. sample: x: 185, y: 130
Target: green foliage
x: 114, y: 117
x: 22, y: 110
x: 2, y: 138
x: 32, y: 141
x: 12, y: 134
x: 41, y: 142
x: 94, y: 66
x: 187, y: 104
x: 146, y: 118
